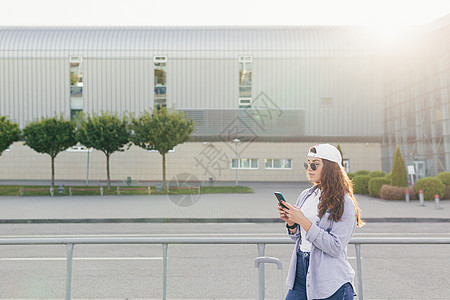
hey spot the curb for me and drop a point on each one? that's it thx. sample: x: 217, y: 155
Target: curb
x: 206, y: 220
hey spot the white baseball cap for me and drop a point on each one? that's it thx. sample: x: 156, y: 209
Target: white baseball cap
x: 326, y: 151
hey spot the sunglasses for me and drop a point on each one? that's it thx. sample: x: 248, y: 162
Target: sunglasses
x: 313, y: 166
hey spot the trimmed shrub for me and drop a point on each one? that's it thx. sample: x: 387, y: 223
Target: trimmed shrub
x: 388, y: 176
x: 374, y: 174
x: 397, y: 193
x: 412, y: 193
x: 361, y: 172
x: 399, y: 176
x: 375, y: 185
x: 430, y: 186
x: 447, y: 193
x: 444, y: 177
x: 361, y: 184
x: 342, y: 156
x: 351, y: 175
x: 389, y: 192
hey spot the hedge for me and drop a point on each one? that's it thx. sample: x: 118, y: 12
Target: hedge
x: 388, y: 176
x: 444, y: 177
x: 361, y: 172
x: 390, y: 192
x: 447, y: 192
x: 430, y: 186
x: 361, y: 184
x: 374, y: 174
x: 412, y: 193
x: 375, y: 185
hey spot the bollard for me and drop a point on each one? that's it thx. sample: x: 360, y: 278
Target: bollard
x: 436, y: 201
x: 421, y: 197
x: 407, y: 196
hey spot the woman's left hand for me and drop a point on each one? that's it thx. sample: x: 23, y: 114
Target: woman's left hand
x: 294, y: 214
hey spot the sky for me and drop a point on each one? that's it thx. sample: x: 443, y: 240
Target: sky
x: 382, y: 14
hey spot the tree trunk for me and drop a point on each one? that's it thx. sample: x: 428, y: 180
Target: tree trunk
x: 107, y: 172
x: 53, y: 172
x: 164, y: 171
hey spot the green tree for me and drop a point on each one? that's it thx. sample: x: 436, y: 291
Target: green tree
x: 50, y: 136
x: 342, y: 156
x: 161, y: 131
x: 106, y: 132
x: 9, y: 133
x: 399, y: 176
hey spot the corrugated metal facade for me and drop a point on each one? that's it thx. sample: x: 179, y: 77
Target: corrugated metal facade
x: 294, y: 66
x: 417, y: 114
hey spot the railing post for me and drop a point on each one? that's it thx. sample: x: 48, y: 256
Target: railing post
x: 69, y: 248
x: 165, y: 246
x: 358, y: 271
x: 262, y: 279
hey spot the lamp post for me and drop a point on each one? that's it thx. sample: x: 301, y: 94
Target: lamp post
x: 87, y: 167
x: 236, y: 142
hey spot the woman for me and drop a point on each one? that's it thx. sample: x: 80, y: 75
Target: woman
x: 322, y: 224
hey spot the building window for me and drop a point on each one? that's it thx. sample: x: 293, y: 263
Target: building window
x: 346, y: 163
x: 245, y: 163
x: 76, y: 86
x: 275, y: 163
x: 160, y: 76
x: 78, y: 148
x: 156, y: 151
x: 245, y: 102
x: 245, y: 81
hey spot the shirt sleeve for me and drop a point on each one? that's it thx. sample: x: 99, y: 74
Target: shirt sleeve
x: 334, y: 241
x: 296, y: 235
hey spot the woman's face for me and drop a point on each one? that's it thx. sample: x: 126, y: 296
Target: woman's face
x: 314, y: 175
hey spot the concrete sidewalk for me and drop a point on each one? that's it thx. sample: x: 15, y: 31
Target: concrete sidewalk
x: 259, y: 206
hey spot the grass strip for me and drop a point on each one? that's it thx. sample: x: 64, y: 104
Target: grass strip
x: 13, y: 190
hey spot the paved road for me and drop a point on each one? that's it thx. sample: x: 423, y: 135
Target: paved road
x: 206, y: 272
x: 255, y: 207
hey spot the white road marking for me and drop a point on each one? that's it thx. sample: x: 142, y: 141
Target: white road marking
x: 76, y: 258
x: 403, y: 233
x: 141, y: 235
x: 281, y: 234
x: 89, y: 258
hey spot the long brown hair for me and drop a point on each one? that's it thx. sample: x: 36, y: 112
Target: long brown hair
x: 334, y: 184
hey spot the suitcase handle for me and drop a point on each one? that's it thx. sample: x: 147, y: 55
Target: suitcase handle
x: 269, y: 260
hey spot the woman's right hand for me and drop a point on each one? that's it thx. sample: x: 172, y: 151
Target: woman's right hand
x: 283, y: 215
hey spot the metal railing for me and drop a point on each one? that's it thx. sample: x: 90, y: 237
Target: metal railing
x: 260, y: 242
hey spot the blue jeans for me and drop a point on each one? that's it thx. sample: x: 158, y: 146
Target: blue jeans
x: 298, y: 292
x: 345, y: 292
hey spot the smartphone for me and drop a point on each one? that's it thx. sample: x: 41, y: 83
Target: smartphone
x: 280, y: 199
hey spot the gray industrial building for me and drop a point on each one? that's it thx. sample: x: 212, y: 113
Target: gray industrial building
x: 276, y: 89
x: 416, y: 101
